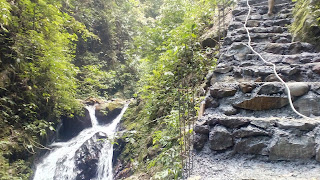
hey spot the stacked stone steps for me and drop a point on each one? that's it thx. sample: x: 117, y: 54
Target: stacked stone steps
x: 262, y: 9
x: 243, y: 3
x: 261, y: 129
x: 276, y: 138
x: 261, y: 23
x: 241, y: 96
x: 246, y: 108
x: 242, y: 18
x: 260, y: 38
x: 248, y: 71
x: 284, y: 48
x: 295, y: 59
x: 292, y: 60
x: 252, y: 30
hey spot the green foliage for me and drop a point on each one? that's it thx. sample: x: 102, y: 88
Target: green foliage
x: 170, y: 57
x: 306, y: 25
x: 106, y: 52
x: 5, y: 15
x: 38, y: 78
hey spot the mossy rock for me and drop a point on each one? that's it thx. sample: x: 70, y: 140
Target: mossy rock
x: 107, y: 111
x: 306, y: 25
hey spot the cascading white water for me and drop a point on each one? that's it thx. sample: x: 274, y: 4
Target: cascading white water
x: 60, y: 163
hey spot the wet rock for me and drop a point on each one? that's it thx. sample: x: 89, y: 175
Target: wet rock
x: 71, y: 127
x: 247, y: 87
x: 232, y: 122
x: 87, y: 157
x: 211, y: 102
x: 249, y: 131
x: 298, y: 88
x: 220, y: 90
x: 252, y: 145
x: 259, y: 103
x: 107, y: 111
x: 288, y: 148
x: 308, y: 104
x: 223, y: 68
x: 220, y: 138
x: 199, y: 141
x: 229, y: 110
x: 271, y: 89
x: 118, y: 148
x: 303, y: 126
x: 316, y: 68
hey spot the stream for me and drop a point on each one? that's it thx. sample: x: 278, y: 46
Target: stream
x: 86, y: 156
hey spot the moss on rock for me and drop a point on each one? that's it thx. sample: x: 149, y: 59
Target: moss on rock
x: 306, y: 25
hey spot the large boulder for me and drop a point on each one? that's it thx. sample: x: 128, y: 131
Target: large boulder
x: 72, y: 126
x: 87, y: 157
x: 107, y: 111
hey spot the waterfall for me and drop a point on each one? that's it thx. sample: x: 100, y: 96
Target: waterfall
x: 61, y: 163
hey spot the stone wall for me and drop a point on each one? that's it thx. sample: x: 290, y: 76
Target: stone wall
x: 277, y: 138
x: 246, y: 107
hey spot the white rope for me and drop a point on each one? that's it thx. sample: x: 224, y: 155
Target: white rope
x: 269, y: 63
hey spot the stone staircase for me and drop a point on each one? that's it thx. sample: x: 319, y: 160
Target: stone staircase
x: 246, y: 108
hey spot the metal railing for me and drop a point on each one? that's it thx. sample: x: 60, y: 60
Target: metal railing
x: 187, y: 119
x: 186, y: 97
x: 224, y: 8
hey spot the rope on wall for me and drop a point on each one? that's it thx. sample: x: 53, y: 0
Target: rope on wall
x: 269, y: 63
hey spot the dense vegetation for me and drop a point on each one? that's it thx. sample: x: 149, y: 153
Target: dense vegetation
x: 55, y: 53
x: 52, y: 53
x: 306, y: 26
x: 170, y: 59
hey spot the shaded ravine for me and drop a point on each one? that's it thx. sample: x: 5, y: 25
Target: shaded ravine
x: 86, y: 156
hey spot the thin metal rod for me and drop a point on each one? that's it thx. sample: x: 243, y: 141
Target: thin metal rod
x: 188, y: 134
x: 193, y: 121
x: 223, y: 17
x: 180, y: 126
